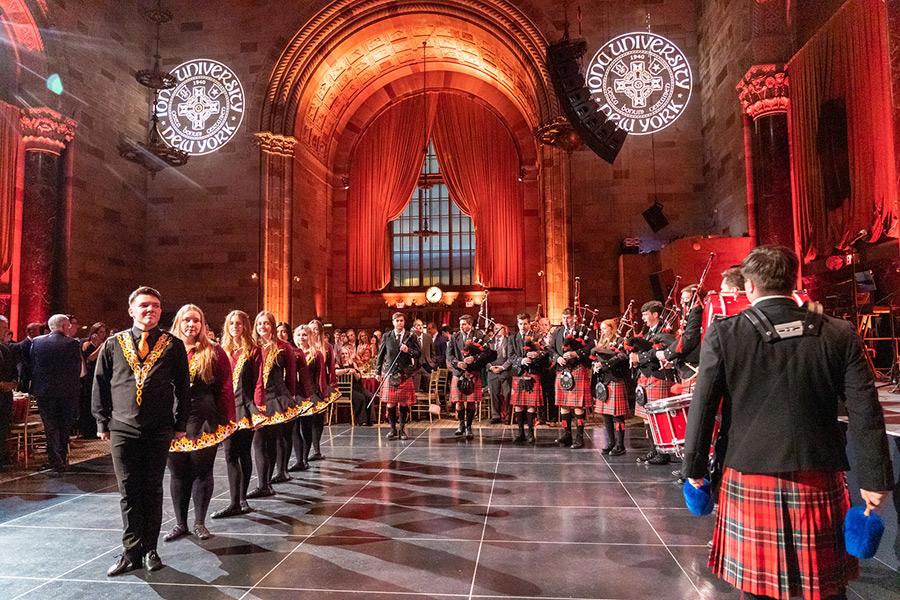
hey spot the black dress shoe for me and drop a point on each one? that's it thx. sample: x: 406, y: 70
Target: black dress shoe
x: 152, y: 562
x: 660, y: 459
x: 296, y: 466
x: 564, y: 440
x: 496, y: 421
x: 461, y: 430
x: 392, y: 434
x: 201, y: 531
x: 608, y: 449
x: 228, y: 511
x: 617, y: 451
x: 281, y: 478
x: 529, y: 438
x: 176, y: 532
x: 246, y: 508
x: 122, y: 565
x: 261, y: 492
x: 402, y: 435
x: 317, y: 456
x: 519, y: 439
x: 469, y: 433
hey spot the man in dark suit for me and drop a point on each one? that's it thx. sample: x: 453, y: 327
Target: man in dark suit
x: 22, y: 352
x: 779, y: 371
x: 426, y: 364
x: 8, y: 381
x: 56, y: 384
x: 141, y: 401
x: 499, y: 375
x: 397, y: 363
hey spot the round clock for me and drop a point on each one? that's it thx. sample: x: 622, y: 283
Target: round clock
x: 433, y: 294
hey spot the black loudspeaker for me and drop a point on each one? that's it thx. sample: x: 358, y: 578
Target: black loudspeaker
x: 655, y: 217
x: 599, y: 133
x: 661, y: 282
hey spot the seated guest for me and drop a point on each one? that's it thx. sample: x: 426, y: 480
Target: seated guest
x: 56, y: 383
x: 8, y: 380
x: 360, y: 397
x: 365, y: 354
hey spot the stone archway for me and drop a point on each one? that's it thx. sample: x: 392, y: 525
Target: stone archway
x: 353, y: 60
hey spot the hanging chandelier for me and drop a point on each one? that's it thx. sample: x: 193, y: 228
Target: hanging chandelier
x: 154, y: 154
x: 424, y: 231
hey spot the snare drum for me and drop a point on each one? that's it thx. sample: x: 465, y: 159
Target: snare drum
x: 668, y: 424
x: 718, y: 305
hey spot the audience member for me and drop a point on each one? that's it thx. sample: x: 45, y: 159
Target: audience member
x: 90, y: 349
x: 8, y: 380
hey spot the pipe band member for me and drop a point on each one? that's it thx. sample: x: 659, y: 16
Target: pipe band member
x: 396, y: 365
x: 529, y: 359
x: 572, y: 344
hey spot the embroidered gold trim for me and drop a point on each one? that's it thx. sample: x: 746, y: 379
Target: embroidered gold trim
x: 270, y: 362
x: 194, y: 367
x: 142, y: 370
x: 236, y: 372
x: 244, y: 423
x: 280, y: 417
x: 206, y: 440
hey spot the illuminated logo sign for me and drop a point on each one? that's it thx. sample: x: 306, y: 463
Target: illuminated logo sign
x: 642, y: 81
x: 204, y: 110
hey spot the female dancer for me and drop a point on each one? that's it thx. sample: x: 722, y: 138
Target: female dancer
x: 612, y: 370
x: 283, y: 332
x: 278, y: 380
x: 244, y: 357
x: 324, y: 380
x: 211, y: 421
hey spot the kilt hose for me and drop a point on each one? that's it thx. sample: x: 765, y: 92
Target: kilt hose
x: 781, y: 535
x: 616, y: 403
x: 657, y: 389
x: 580, y: 395
x: 402, y: 394
x: 457, y: 396
x: 520, y: 397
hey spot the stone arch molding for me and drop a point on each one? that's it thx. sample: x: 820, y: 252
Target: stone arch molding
x: 349, y: 50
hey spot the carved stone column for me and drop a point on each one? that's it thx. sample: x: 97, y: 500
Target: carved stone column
x: 764, y: 97
x: 42, y: 280
x: 276, y: 222
x: 557, y: 232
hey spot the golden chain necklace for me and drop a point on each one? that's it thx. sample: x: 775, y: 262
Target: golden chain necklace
x: 141, y: 371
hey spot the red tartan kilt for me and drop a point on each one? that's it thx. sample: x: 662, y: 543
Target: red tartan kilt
x: 403, y: 394
x: 580, y: 395
x: 616, y: 403
x: 456, y: 396
x: 522, y: 398
x: 657, y: 389
x: 781, y: 535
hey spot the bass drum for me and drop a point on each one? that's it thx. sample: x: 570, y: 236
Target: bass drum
x: 718, y: 305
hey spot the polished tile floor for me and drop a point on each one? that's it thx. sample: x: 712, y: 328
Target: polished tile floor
x: 433, y: 517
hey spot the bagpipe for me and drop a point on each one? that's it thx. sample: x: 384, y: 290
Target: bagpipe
x: 577, y: 341
x: 479, y: 348
x: 608, y: 362
x: 532, y: 341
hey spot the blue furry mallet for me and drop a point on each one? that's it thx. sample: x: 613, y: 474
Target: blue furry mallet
x: 862, y: 532
x: 699, y: 501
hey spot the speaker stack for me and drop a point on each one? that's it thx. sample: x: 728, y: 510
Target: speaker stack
x: 599, y: 133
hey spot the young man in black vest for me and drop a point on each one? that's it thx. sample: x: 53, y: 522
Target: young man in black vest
x: 140, y: 400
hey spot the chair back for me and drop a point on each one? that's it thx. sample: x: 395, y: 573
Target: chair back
x: 345, y: 385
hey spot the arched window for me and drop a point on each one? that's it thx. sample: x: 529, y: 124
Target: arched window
x: 432, y: 242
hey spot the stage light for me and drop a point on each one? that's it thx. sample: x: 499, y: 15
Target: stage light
x: 522, y: 174
x: 54, y: 84
x: 346, y: 182
x: 254, y: 276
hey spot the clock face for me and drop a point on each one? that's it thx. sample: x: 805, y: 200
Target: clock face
x: 433, y: 294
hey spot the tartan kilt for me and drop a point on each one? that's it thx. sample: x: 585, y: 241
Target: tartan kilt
x: 616, y: 403
x: 580, y: 395
x: 657, y: 389
x: 475, y: 396
x: 522, y: 398
x: 403, y: 394
x: 781, y: 535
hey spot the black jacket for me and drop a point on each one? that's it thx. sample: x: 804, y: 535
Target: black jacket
x: 781, y: 399
x: 517, y: 352
x: 455, y: 352
x: 559, y: 347
x: 390, y: 348
x: 165, y: 399
x: 55, y: 367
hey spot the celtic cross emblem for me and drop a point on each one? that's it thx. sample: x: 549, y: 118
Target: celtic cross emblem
x: 198, y: 107
x: 638, y: 84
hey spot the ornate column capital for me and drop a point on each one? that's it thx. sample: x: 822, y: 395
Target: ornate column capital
x: 45, y: 130
x: 764, y: 90
x: 275, y: 143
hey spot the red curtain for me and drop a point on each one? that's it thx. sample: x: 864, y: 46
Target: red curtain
x: 846, y: 64
x: 10, y: 161
x: 481, y: 165
x: 384, y: 171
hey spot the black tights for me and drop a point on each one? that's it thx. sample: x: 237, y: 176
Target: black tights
x: 264, y: 454
x: 283, y: 434
x: 192, y: 476
x: 318, y: 422
x: 305, y: 438
x: 239, y: 464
